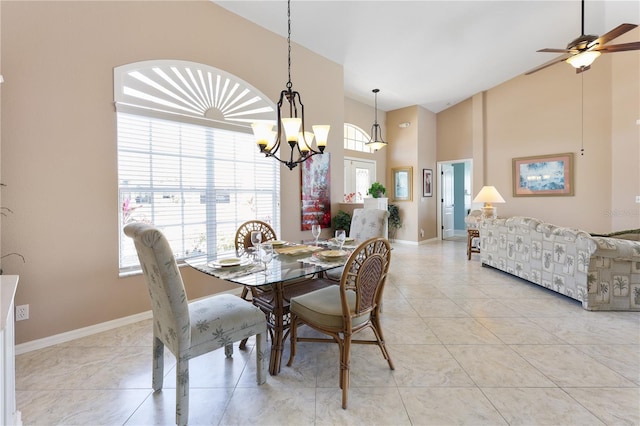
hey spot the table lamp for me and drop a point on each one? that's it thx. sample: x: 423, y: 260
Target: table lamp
x: 488, y: 195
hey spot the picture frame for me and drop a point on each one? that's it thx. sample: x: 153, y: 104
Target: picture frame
x: 427, y: 182
x: 543, y: 175
x: 402, y: 183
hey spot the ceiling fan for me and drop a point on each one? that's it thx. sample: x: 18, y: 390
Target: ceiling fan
x: 581, y: 52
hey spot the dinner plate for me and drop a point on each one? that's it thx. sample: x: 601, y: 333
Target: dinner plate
x: 332, y: 254
x: 346, y: 240
x: 277, y: 243
x: 228, y: 262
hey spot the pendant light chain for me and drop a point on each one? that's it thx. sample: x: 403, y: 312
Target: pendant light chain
x: 289, y: 84
x: 582, y: 116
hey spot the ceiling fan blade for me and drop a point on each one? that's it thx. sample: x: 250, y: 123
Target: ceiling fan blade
x: 548, y: 64
x: 616, y: 32
x: 620, y: 47
x: 550, y: 50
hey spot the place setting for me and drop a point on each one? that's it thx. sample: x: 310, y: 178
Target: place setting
x: 331, y: 256
x: 234, y: 267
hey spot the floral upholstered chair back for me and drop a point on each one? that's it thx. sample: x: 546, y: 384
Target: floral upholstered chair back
x: 168, y: 296
x: 369, y: 223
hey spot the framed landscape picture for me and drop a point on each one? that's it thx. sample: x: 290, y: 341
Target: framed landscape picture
x: 545, y: 175
x: 402, y: 177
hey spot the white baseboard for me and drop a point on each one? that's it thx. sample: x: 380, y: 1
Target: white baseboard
x: 90, y: 330
x: 80, y: 332
x: 414, y: 243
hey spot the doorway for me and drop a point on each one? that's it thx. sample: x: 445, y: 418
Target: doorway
x: 359, y: 174
x: 455, y: 198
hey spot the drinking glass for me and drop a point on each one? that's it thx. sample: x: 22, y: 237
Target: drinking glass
x: 266, y: 255
x: 315, y: 231
x: 341, y: 236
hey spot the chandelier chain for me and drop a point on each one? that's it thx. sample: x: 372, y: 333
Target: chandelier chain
x: 289, y: 84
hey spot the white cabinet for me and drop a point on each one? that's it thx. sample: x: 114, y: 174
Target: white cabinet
x: 376, y: 203
x: 8, y: 413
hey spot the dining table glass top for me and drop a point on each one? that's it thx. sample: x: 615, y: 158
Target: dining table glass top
x: 289, y: 262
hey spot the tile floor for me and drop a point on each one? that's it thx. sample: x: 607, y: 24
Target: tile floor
x: 471, y: 345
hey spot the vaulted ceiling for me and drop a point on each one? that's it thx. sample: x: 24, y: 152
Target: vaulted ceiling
x: 433, y: 53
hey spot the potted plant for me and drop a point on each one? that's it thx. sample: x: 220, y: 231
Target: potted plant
x: 342, y: 220
x: 377, y: 190
x: 394, y: 220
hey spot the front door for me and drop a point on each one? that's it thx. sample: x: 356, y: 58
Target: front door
x: 358, y: 177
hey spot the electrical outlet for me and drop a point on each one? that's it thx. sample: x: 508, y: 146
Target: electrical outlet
x: 637, y: 198
x: 22, y: 312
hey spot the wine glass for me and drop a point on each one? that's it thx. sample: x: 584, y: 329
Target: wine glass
x: 341, y: 236
x: 256, y: 239
x: 315, y: 231
x: 266, y: 255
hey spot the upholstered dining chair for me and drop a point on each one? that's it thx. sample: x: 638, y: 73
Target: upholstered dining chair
x: 365, y: 224
x: 342, y: 311
x: 190, y: 329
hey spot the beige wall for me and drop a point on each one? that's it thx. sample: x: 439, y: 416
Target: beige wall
x: 542, y: 114
x: 415, y: 147
x: 59, y: 140
x: 455, y: 127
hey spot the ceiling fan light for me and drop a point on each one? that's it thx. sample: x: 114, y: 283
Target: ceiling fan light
x: 583, y: 59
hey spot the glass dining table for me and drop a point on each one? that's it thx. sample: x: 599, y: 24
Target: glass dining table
x: 295, y: 269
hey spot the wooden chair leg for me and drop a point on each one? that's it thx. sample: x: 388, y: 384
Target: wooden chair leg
x: 293, y: 332
x: 345, y: 355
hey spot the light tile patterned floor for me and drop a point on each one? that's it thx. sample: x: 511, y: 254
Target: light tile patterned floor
x: 471, y: 345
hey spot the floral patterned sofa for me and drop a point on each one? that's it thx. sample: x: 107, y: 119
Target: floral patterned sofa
x: 601, y: 272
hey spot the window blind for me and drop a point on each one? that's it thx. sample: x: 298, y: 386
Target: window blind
x: 197, y: 184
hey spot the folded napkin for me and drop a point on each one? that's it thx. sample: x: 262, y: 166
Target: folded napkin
x: 236, y: 272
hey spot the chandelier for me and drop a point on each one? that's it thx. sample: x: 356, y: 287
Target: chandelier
x: 290, y: 124
x: 375, y: 143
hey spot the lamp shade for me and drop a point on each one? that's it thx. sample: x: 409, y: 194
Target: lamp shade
x: 488, y: 195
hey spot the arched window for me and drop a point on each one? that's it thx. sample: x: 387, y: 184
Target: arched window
x: 355, y: 138
x: 187, y: 160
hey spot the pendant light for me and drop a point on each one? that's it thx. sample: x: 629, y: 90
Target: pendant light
x: 290, y: 125
x: 375, y: 143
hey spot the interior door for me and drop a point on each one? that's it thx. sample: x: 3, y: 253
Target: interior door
x: 446, y: 189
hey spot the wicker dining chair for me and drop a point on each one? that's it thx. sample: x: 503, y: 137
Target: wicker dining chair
x: 189, y: 329
x: 243, y: 240
x: 340, y: 311
x: 243, y: 234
